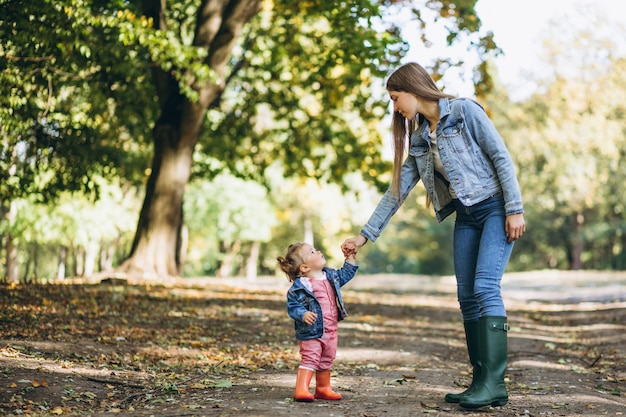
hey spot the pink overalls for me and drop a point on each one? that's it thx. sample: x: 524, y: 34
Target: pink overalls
x: 319, y: 354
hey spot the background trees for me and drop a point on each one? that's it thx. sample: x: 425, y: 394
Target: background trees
x: 91, y: 91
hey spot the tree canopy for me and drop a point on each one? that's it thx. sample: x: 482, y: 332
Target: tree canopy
x: 213, y: 85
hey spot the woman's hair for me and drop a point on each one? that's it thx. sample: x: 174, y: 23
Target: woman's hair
x: 290, y: 264
x: 411, y: 78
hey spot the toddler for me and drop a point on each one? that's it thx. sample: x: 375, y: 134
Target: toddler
x: 315, y: 304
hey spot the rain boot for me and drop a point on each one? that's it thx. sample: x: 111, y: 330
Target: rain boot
x: 490, y: 389
x: 473, y: 349
x: 323, y: 391
x: 303, y: 380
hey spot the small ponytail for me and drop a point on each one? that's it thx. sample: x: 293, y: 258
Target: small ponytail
x: 290, y: 264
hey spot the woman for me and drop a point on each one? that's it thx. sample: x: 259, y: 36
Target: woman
x: 466, y: 168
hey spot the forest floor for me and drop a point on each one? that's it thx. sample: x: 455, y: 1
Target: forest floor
x: 209, y: 347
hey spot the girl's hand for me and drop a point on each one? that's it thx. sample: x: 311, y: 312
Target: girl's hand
x: 515, y: 226
x: 351, y: 245
x: 309, y: 317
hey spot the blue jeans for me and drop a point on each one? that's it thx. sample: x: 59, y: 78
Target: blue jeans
x: 481, y: 254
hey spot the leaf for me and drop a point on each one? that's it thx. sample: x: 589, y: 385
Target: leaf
x: 223, y: 383
x: 57, y: 411
x: 39, y: 383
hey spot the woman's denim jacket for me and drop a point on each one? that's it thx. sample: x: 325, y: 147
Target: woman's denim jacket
x: 473, y: 155
x: 300, y: 299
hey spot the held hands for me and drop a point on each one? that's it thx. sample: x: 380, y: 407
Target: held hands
x: 351, y: 246
x: 309, y: 317
x: 515, y: 226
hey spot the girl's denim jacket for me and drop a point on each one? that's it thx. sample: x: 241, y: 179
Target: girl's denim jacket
x: 300, y: 299
x: 473, y: 155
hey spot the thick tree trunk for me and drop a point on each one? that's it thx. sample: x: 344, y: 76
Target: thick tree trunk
x: 156, y: 251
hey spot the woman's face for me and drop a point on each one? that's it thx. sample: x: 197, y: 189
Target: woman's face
x: 404, y: 103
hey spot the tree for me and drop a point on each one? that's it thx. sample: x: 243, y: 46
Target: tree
x: 64, y: 79
x: 300, y: 84
x: 299, y: 76
x: 568, y: 143
x: 228, y: 218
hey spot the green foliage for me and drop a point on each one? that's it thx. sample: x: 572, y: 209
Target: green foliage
x: 75, y: 223
x: 568, y: 141
x: 301, y: 92
x: 73, y: 102
x: 220, y: 213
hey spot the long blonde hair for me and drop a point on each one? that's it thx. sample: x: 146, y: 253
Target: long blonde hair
x: 411, y: 78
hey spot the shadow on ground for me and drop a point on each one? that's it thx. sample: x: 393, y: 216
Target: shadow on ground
x: 226, y: 348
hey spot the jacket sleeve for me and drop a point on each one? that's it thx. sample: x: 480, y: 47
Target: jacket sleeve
x: 346, y: 273
x: 388, y: 204
x: 294, y: 308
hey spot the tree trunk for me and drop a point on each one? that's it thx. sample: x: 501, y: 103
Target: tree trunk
x: 91, y: 257
x: 578, y: 245
x: 62, y: 266
x: 230, y: 252
x: 8, y: 213
x: 156, y: 251
x: 12, y: 269
x: 252, y: 261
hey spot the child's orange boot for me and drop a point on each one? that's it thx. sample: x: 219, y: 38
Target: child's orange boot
x: 323, y: 391
x: 303, y: 380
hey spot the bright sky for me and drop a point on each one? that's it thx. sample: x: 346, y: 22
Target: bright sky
x: 517, y: 27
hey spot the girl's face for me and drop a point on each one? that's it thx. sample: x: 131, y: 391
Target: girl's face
x: 313, y: 258
x: 404, y: 103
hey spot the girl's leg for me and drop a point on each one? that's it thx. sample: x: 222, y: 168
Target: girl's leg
x: 323, y: 390
x: 310, y: 353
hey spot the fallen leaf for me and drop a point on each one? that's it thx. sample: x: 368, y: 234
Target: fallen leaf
x: 223, y: 383
x: 57, y: 410
x: 39, y: 383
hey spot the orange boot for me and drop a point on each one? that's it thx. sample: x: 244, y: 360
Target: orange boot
x: 303, y: 380
x: 323, y: 391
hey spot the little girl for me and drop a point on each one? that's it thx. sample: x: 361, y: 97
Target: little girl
x: 314, y: 303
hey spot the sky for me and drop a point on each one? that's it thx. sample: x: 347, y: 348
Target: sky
x: 517, y: 26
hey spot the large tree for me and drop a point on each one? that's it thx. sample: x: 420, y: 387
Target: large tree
x: 234, y: 85
x: 299, y: 90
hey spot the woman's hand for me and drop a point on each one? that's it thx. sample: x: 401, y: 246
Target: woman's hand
x: 515, y: 226
x: 351, y: 245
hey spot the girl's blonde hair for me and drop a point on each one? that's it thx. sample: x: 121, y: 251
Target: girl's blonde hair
x: 292, y: 261
x: 410, y: 78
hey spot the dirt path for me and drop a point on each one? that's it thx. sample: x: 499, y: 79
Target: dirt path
x: 204, y: 348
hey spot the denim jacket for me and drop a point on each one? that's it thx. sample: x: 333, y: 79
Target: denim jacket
x: 473, y: 155
x: 300, y: 299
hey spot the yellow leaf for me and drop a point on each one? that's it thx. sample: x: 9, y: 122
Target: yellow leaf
x: 39, y: 383
x: 57, y: 410
x: 13, y: 385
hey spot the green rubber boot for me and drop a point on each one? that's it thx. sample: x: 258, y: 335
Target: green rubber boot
x: 473, y: 349
x: 490, y: 388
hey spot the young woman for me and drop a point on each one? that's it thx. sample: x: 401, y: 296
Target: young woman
x: 455, y: 150
x: 315, y: 304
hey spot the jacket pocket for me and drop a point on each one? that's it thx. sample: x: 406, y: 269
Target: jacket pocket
x: 454, y: 137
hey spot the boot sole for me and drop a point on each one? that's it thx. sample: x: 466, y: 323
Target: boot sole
x: 498, y: 402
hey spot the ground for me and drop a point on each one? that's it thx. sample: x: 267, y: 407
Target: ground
x: 208, y: 347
